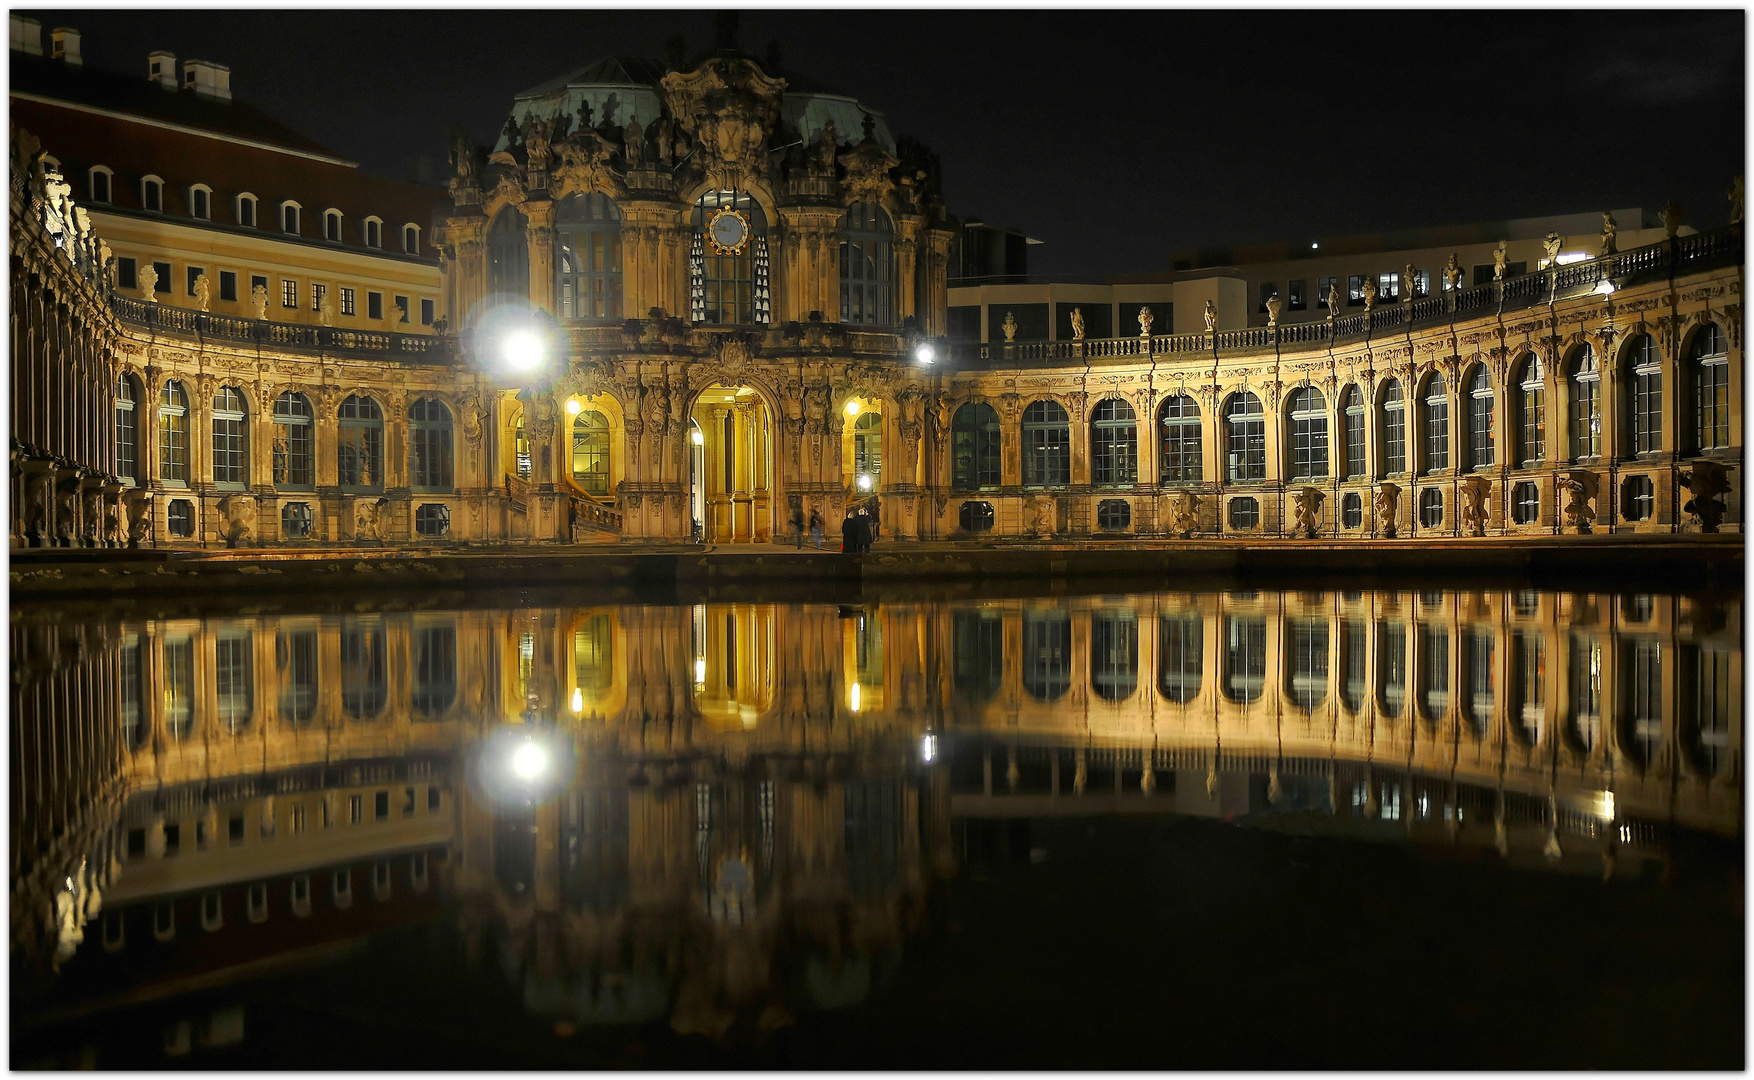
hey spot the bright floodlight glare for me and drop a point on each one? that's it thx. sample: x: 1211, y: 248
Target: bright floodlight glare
x: 928, y: 748
x: 853, y: 407
x: 1606, y: 288
x: 1315, y: 246
x: 853, y: 697
x: 578, y: 700
x: 925, y: 354
x: 522, y: 350
x: 864, y: 482
x: 573, y: 406
x: 529, y: 761
x: 696, y: 437
x: 699, y: 670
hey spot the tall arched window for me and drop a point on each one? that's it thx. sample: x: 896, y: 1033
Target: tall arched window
x: 231, y: 445
x: 1179, y: 456
x: 365, y: 685
x: 1246, y: 442
x: 1352, y: 413
x: 359, y: 446
x: 179, y: 686
x: 173, y: 434
x: 1644, y: 397
x: 1531, y: 400
x: 1479, y: 649
x: 1114, y: 654
x: 1180, y: 656
x: 587, y: 256
x: 1708, y: 369
x: 727, y: 259
x: 435, y: 670
x: 1394, y: 429
x: 429, y: 445
x: 1527, y: 708
x: 1307, y: 411
x: 127, y: 429
x: 1245, y: 658
x: 590, y: 452
x: 1114, y: 444
x: 1586, y: 404
x: 977, y: 654
x: 520, y: 447
x: 1047, y: 445
x: 1641, y: 725
x: 868, y: 450
x: 295, y: 658
x: 1434, y: 671
x: 295, y: 458
x: 1583, y: 727
x: 1047, y: 654
x: 1391, y: 668
x: 1307, y: 681
x: 508, y: 254
x: 234, y: 679
x: 1436, y: 425
x: 867, y: 266
x: 974, y: 447
x: 1482, y: 433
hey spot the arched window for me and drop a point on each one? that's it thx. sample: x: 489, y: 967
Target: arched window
x: 590, y: 452
x: 295, y: 658
x: 374, y: 232
x: 365, y: 685
x: 1180, y: 657
x: 1434, y: 671
x: 508, y: 254
x: 587, y: 256
x: 1708, y: 368
x: 1308, y: 677
x: 234, y: 679
x: 1641, y: 729
x: 435, y: 670
x: 127, y: 429
x: 1352, y: 411
x: 1482, y: 433
x: 1114, y: 444
x: 179, y: 686
x: 289, y: 217
x: 1394, y: 429
x: 1047, y: 445
x: 978, y: 654
x: 520, y: 448
x: 1114, y: 654
x: 868, y: 451
x: 332, y: 226
x: 173, y: 434
x: 1644, y: 397
x: 1047, y: 654
x: 1308, y: 414
x: 1245, y: 658
x: 1532, y: 410
x: 1179, y: 457
x: 411, y: 239
x: 974, y: 447
x: 727, y: 259
x: 231, y: 446
x: 1528, y: 685
x: 1583, y: 727
x: 1246, y: 442
x: 429, y: 445
x: 1705, y: 707
x: 1586, y: 404
x: 295, y: 459
x: 593, y: 653
x: 1391, y: 668
x: 152, y: 194
x: 246, y: 210
x: 1352, y: 664
x: 1479, y: 651
x: 867, y: 266
x: 359, y: 447
x: 100, y: 177
x: 200, y: 201
x: 1436, y: 425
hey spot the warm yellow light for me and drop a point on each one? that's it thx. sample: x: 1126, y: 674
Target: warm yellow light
x: 853, y: 407
x: 700, y: 671
x: 1605, y: 805
x: 696, y: 437
x: 853, y: 697
x: 864, y: 482
x: 578, y: 700
x: 573, y: 407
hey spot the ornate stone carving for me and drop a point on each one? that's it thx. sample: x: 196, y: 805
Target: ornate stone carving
x: 1387, y: 502
x: 1043, y: 516
x: 240, y: 518
x: 726, y: 106
x: 1182, y: 513
x: 368, y: 522
x: 1077, y: 324
x: 1708, y: 480
x: 868, y: 168
x: 1610, y: 227
x: 1273, y: 311
x: 1473, y: 514
x: 137, y: 505
x: 259, y: 301
x: 1579, y: 489
x: 1145, y: 320
x: 148, y: 278
x: 202, y: 291
x: 1009, y: 326
x: 1306, y: 509
x: 1452, y: 273
x: 1551, y: 245
x: 1211, y: 316
x: 1500, y: 255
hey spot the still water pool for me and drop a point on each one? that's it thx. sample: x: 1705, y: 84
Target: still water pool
x: 1406, y: 828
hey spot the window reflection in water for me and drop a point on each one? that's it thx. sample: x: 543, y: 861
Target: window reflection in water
x: 295, y: 658
x: 1584, y: 722
x: 1434, y: 671
x: 1391, y: 665
x: 1179, y: 657
x: 978, y: 644
x: 364, y: 679
x: 1245, y: 663
x: 179, y: 687
x: 1114, y: 655
x: 1309, y: 663
x: 1047, y: 654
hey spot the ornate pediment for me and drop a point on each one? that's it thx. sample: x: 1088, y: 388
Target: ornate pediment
x: 582, y: 165
x: 727, y: 106
x: 868, y: 167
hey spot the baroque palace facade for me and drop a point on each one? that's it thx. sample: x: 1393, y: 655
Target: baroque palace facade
x: 686, y: 303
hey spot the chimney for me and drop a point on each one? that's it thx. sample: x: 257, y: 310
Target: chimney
x: 161, y: 68
x: 64, y: 46
x: 207, y: 79
x: 27, y: 35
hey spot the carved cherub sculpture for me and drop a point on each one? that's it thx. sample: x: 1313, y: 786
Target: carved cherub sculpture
x: 1333, y: 301
x: 1369, y: 293
x: 202, y: 291
x: 1273, y: 310
x: 1452, y: 273
x: 1211, y: 317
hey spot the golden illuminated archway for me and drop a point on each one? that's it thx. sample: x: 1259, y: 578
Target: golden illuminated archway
x: 734, y: 474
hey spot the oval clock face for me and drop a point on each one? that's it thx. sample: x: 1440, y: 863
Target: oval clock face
x: 729, y: 231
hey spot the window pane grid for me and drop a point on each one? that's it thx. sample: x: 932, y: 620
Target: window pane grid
x: 1247, y: 449
x: 1047, y: 445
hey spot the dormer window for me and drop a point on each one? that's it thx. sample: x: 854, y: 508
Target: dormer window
x: 246, y: 208
x: 289, y: 217
x: 374, y: 232
x: 201, y: 202
x: 411, y: 239
x: 152, y: 194
x: 332, y: 226
x: 100, y: 183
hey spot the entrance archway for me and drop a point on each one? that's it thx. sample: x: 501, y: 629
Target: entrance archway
x: 733, y: 475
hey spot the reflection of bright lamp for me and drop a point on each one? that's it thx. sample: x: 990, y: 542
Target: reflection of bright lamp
x: 573, y: 407
x: 578, y: 700
x: 529, y: 761
x: 700, y: 670
x: 853, y: 408
x: 696, y: 437
x: 864, y: 482
x: 928, y: 748
x: 853, y: 697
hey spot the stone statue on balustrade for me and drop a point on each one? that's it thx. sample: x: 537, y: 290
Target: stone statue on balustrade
x: 1077, y: 324
x: 1409, y: 281
x: 1551, y: 246
x: 1211, y: 315
x: 1145, y: 320
x: 1708, y: 481
x: 1387, y: 503
x: 149, y: 284
x: 1333, y: 301
x: 203, y: 292
x: 1452, y: 273
x: 633, y: 144
x: 1610, y: 227
x: 259, y: 301
x: 1010, y: 327
x: 1273, y: 311
x: 1369, y: 293
x: 1500, y: 259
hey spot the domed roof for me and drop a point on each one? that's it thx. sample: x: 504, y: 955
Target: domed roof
x: 619, y: 88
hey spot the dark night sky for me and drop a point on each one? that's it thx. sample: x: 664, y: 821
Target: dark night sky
x: 1114, y: 136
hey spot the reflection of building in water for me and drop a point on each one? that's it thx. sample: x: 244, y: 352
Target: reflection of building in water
x: 759, y: 794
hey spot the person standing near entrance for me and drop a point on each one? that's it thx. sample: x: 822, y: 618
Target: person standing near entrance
x: 798, y: 524
x: 864, y: 525
x: 816, y: 528
x: 849, y: 534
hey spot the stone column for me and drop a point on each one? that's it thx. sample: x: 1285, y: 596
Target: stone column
x: 540, y: 215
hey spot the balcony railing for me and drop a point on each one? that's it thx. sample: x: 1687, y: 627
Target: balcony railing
x: 1687, y: 254
x: 434, y: 349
